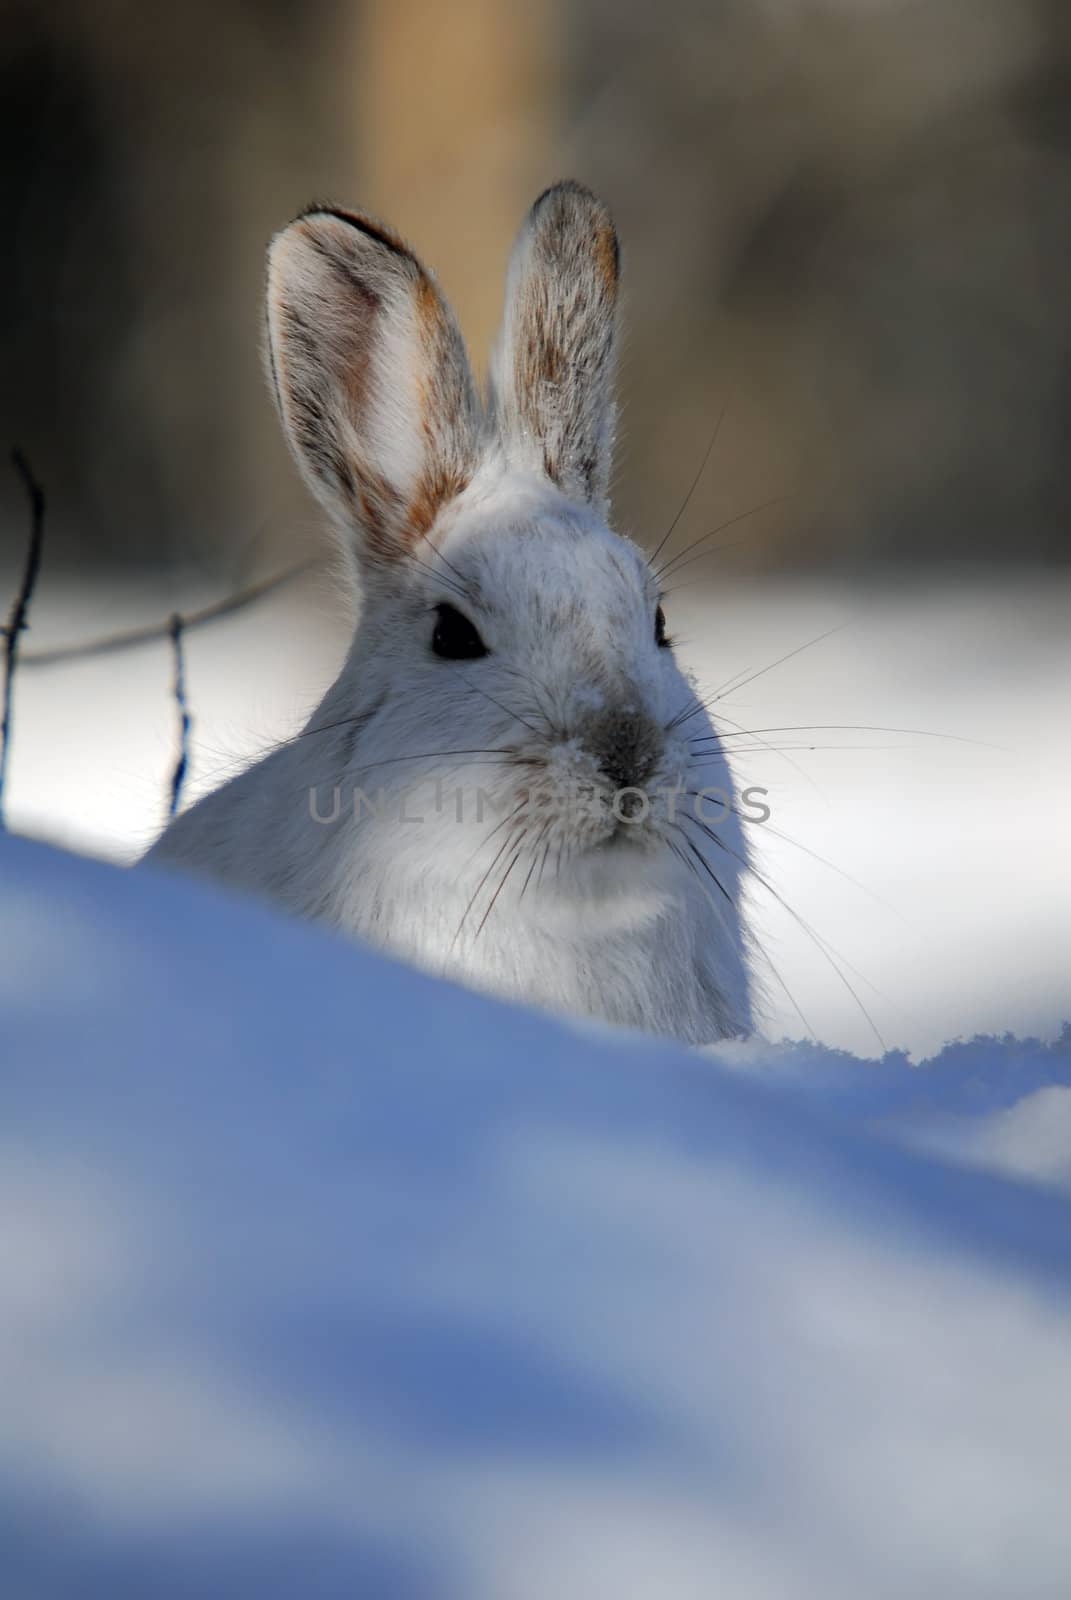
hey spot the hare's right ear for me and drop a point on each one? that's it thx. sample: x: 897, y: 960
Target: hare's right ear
x: 552, y: 370
x: 371, y: 378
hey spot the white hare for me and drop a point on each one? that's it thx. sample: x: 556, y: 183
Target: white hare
x: 501, y: 783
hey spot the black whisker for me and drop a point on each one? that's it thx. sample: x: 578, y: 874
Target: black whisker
x: 704, y: 863
x: 736, y: 683
x: 535, y: 850
x: 823, y: 861
x: 515, y: 715
x: 668, y: 566
x: 853, y: 727
x: 508, y: 758
x: 497, y: 858
x: 773, y: 749
x: 764, y: 954
x: 501, y: 823
x: 653, y: 557
x: 439, y: 577
x: 532, y: 686
x: 779, y: 749
x: 448, y: 563
x: 498, y: 891
x: 727, y: 544
x: 819, y: 943
x: 543, y: 863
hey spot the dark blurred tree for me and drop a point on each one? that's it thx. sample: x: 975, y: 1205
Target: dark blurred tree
x: 137, y: 142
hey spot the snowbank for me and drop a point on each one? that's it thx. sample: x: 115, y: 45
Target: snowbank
x: 322, y: 1279
x: 999, y: 1103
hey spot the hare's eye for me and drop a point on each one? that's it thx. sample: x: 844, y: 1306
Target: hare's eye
x: 455, y: 638
x: 661, y: 638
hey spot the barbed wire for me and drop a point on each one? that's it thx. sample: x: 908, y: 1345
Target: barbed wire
x: 182, y: 760
x: 158, y: 632
x: 19, y: 618
x: 173, y: 630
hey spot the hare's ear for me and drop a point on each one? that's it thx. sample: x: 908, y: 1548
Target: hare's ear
x: 552, y: 369
x: 371, y: 378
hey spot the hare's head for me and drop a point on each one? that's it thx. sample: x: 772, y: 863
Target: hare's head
x: 504, y: 627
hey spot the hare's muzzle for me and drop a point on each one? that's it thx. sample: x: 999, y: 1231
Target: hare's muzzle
x: 626, y: 746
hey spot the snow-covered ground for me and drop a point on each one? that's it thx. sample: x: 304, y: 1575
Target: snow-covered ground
x: 959, y: 917
x: 321, y: 1279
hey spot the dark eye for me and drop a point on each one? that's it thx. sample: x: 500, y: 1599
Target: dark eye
x: 455, y: 638
x: 661, y: 638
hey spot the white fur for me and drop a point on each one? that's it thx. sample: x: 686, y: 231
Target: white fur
x: 595, y: 915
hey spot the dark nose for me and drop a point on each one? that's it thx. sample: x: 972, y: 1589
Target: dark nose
x: 627, y: 746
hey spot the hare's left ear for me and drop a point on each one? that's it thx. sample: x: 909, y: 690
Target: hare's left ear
x: 552, y: 368
x: 371, y: 379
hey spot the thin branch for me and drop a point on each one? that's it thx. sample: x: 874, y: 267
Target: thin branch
x: 182, y: 761
x: 20, y: 611
x: 129, y: 640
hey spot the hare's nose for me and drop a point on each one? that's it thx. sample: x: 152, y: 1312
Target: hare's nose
x: 627, y: 746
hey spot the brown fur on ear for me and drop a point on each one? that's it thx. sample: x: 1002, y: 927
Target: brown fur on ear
x: 553, y: 367
x: 371, y: 378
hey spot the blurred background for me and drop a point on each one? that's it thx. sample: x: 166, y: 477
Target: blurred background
x: 845, y: 222
x: 848, y: 220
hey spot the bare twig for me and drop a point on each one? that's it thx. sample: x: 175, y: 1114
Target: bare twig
x: 133, y: 637
x: 20, y: 611
x: 182, y: 761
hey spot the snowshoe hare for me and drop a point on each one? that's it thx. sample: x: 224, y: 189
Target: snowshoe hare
x: 501, y: 785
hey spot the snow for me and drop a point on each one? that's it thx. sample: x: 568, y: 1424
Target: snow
x: 1002, y: 1103
x: 322, y: 1279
